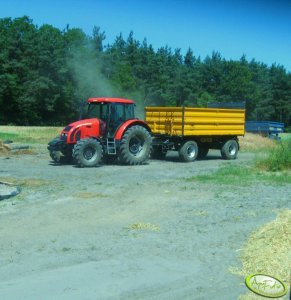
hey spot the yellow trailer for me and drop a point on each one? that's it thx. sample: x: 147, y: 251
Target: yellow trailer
x: 193, y: 131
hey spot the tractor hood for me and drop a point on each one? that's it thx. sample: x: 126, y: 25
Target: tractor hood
x: 75, y: 131
x: 85, y: 122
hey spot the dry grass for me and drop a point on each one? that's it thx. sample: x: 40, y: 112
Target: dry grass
x: 268, y: 251
x: 31, y: 134
x: 255, y: 143
x: 144, y: 226
x: 89, y: 195
x: 29, y: 182
x: 4, y: 149
x: 24, y: 151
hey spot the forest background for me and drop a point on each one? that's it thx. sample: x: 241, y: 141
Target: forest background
x: 46, y: 73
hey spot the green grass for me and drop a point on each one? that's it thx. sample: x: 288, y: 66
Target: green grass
x: 277, y: 159
x: 29, y: 135
x: 285, y: 136
x: 8, y: 136
x: 235, y: 175
x: 272, y: 168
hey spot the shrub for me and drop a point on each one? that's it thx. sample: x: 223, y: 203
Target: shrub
x: 278, y: 158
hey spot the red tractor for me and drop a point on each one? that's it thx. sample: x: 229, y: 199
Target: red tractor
x: 110, y: 131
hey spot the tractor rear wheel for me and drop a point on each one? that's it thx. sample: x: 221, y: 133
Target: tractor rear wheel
x: 135, y: 146
x: 87, y: 153
x: 188, y: 151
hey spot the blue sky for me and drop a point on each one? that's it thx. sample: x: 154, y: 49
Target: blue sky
x: 260, y: 29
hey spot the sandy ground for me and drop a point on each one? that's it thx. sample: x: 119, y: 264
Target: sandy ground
x: 119, y: 232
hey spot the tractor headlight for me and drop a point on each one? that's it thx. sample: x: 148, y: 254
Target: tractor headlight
x: 64, y: 136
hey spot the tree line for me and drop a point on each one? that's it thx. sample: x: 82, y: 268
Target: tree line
x: 46, y: 73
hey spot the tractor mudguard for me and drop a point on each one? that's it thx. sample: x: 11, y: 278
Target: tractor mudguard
x: 130, y: 123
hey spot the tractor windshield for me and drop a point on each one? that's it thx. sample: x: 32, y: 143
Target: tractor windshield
x: 97, y: 110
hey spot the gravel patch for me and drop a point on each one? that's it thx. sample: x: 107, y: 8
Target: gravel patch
x: 8, y: 190
x: 127, y: 232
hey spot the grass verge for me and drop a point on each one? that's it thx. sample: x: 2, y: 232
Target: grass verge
x: 278, y: 158
x: 235, y: 175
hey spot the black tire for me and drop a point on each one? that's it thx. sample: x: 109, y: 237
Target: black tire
x: 188, y: 151
x: 135, y: 146
x: 56, y: 156
x: 87, y: 153
x: 62, y: 157
x: 68, y: 152
x: 229, y: 149
x: 157, y: 153
x: 202, y: 152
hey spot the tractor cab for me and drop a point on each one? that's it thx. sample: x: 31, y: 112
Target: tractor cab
x: 112, y: 112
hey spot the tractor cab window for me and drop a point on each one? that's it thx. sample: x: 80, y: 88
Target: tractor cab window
x: 97, y: 110
x: 119, y: 113
x: 129, y: 111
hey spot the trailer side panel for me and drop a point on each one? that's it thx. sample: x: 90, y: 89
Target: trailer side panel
x: 187, y: 121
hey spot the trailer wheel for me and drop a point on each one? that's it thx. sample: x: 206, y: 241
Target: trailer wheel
x: 188, y: 151
x: 230, y: 149
x: 202, y: 152
x: 87, y: 153
x: 135, y: 146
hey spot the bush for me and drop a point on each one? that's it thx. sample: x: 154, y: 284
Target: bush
x: 278, y: 158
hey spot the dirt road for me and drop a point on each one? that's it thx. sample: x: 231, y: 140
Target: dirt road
x: 119, y: 232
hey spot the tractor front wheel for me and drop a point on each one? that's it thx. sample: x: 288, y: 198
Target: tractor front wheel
x: 135, y: 146
x: 62, y: 157
x: 67, y: 153
x: 87, y: 153
x: 56, y: 156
